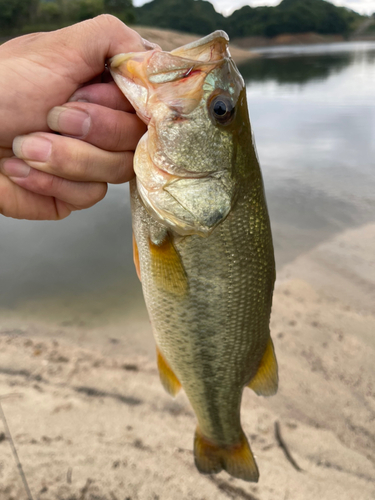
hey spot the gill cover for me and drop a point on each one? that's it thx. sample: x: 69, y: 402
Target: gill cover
x: 185, y: 162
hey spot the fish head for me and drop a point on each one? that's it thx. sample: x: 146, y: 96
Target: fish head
x: 193, y: 101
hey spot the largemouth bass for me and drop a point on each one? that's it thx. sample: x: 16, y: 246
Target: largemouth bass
x: 202, y: 239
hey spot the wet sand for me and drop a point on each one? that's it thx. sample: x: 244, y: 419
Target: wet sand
x: 91, y: 421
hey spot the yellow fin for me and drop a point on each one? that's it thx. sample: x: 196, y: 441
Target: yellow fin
x: 169, y: 380
x: 167, y: 268
x: 136, y: 258
x: 237, y: 460
x: 266, y: 380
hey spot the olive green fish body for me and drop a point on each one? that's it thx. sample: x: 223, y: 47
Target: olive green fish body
x: 204, y: 246
x: 215, y: 335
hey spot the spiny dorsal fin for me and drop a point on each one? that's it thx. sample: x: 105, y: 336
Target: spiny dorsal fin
x: 237, y: 460
x: 169, y: 380
x: 266, y: 380
x: 167, y: 268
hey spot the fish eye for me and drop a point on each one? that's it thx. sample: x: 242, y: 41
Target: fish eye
x: 222, y: 109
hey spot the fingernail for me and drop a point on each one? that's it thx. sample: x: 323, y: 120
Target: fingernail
x: 150, y: 45
x: 31, y: 147
x: 70, y: 121
x: 13, y: 167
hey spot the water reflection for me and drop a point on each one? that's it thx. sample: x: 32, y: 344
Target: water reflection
x: 299, y: 69
x: 295, y: 64
x: 313, y: 113
x: 315, y: 130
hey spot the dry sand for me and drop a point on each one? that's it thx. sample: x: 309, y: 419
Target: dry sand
x: 92, y: 422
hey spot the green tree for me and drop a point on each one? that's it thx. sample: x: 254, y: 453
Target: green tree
x: 193, y: 16
x: 123, y: 9
x: 292, y: 16
x: 86, y: 9
x: 50, y: 13
x: 15, y: 13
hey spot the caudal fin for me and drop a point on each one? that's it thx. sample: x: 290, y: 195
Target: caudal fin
x: 237, y: 460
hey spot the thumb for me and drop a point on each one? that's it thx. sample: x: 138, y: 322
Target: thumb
x: 43, y: 70
x: 79, y: 52
x: 94, y: 41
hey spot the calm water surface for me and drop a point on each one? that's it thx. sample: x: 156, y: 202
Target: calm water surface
x: 313, y: 114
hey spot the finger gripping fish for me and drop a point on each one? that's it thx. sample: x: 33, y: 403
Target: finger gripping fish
x: 202, y: 240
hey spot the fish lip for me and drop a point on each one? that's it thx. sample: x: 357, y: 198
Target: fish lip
x: 182, y: 172
x: 146, y: 119
x: 198, y: 56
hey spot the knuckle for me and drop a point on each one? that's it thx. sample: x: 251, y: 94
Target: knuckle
x: 109, y: 22
x: 72, y: 162
x: 48, y: 183
x: 124, y: 171
x: 108, y: 19
x: 117, y: 136
x: 93, y: 193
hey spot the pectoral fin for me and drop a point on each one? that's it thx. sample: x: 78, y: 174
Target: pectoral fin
x: 266, y: 380
x: 167, y: 268
x: 136, y: 258
x: 237, y: 460
x: 169, y: 380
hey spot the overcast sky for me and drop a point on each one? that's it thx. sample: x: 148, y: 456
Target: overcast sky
x: 228, y: 6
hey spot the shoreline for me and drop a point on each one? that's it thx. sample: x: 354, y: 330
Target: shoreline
x: 90, y: 418
x: 240, y: 47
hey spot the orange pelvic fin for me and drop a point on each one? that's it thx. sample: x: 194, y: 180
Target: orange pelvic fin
x: 136, y: 258
x: 237, y: 460
x: 169, y: 380
x: 266, y: 380
x: 167, y: 268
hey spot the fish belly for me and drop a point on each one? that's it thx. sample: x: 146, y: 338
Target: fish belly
x: 213, y: 335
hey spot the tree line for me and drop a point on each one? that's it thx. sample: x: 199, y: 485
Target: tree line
x: 192, y: 16
x: 290, y: 16
x: 22, y: 16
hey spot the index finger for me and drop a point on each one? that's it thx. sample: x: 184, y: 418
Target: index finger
x: 104, y: 94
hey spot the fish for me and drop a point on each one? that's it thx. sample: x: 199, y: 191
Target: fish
x: 202, y: 239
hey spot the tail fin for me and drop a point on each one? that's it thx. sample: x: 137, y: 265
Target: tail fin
x: 237, y: 460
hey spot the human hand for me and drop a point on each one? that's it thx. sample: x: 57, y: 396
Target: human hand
x: 52, y: 177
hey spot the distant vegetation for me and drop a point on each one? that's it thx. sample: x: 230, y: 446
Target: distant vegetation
x: 290, y: 16
x: 194, y: 16
x: 22, y: 16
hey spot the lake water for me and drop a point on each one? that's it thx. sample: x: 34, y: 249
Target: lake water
x: 313, y: 114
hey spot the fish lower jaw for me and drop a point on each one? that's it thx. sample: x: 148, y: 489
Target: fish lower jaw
x: 170, y: 220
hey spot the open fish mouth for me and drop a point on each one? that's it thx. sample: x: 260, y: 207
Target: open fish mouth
x: 140, y: 75
x: 169, y: 91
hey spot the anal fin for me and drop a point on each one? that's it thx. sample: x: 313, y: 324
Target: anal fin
x: 266, y: 380
x: 237, y: 460
x: 167, y: 268
x: 167, y: 377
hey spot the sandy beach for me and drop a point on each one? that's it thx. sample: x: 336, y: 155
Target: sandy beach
x: 91, y: 421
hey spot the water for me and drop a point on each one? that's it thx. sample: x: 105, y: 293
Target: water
x: 313, y: 113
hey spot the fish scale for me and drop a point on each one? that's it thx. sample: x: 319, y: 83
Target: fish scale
x: 203, y: 241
